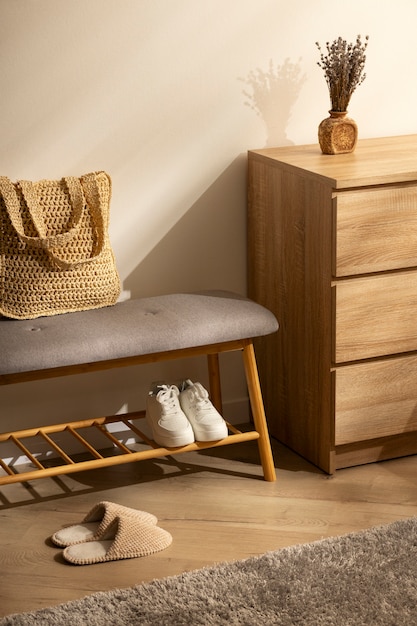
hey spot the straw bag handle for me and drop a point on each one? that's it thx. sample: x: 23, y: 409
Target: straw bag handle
x: 52, y: 243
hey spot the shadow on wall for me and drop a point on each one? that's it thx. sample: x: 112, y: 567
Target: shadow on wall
x: 206, y: 248
x: 272, y: 95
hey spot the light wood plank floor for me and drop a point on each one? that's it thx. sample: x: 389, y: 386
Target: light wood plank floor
x: 215, y: 504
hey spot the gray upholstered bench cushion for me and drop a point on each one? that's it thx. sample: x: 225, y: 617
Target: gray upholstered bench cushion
x: 131, y: 328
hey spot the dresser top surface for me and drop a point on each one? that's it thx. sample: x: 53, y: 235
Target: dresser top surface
x: 377, y: 161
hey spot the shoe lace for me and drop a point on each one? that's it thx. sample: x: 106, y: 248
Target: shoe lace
x: 167, y: 396
x: 201, y: 397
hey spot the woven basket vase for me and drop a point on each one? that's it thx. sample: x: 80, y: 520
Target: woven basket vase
x: 55, y: 252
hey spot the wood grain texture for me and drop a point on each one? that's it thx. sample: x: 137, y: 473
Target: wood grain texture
x: 332, y: 252
x: 376, y: 399
x: 376, y: 316
x: 379, y: 161
x: 290, y: 273
x: 376, y: 230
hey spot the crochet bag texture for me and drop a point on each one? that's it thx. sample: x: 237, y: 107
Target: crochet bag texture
x: 55, y: 252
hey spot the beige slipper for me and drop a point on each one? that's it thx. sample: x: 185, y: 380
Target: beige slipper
x: 96, y: 523
x: 125, y: 538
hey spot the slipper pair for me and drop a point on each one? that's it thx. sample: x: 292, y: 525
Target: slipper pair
x: 110, y: 532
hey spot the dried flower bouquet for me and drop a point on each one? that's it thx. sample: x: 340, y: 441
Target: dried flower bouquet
x: 343, y: 67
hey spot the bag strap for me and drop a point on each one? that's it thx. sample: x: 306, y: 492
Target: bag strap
x: 52, y: 243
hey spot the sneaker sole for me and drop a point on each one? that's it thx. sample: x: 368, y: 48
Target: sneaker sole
x: 212, y: 436
x: 173, y: 442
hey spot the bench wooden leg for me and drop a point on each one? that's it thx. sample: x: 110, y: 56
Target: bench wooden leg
x: 258, y: 412
x: 214, y: 381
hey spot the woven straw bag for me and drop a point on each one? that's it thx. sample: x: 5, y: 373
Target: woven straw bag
x: 55, y: 252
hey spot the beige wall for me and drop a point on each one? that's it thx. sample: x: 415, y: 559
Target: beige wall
x: 167, y: 96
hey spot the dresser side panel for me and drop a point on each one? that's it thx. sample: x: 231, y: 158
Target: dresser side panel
x: 289, y: 253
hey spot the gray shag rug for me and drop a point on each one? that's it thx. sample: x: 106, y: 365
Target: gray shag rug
x: 364, y: 578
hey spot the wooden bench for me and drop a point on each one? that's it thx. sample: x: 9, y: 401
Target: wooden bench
x: 134, y: 332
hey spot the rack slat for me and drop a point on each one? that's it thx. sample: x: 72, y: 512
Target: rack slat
x: 56, y: 447
x: 138, y: 432
x: 6, y: 468
x: 26, y: 452
x: 113, y: 439
x: 120, y: 459
x: 59, y: 428
x: 84, y: 442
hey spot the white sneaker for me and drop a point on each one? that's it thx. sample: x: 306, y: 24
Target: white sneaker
x: 170, y: 427
x: 207, y: 423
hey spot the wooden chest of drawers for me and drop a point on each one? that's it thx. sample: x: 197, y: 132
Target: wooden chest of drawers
x: 332, y: 251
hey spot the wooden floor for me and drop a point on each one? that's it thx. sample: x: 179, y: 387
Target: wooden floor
x: 215, y: 504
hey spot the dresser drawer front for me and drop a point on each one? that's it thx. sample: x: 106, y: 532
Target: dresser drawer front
x: 375, y: 316
x: 377, y: 399
x: 376, y: 230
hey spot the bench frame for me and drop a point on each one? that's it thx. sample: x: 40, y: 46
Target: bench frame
x: 122, y: 453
